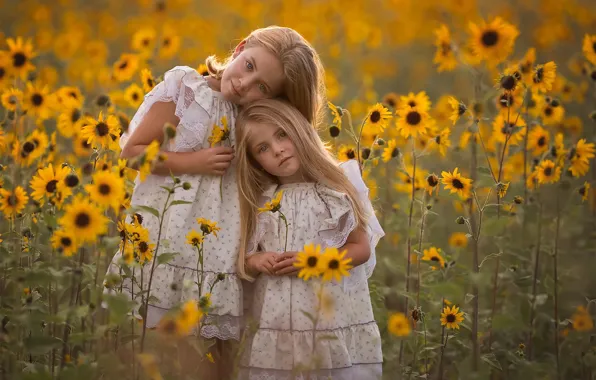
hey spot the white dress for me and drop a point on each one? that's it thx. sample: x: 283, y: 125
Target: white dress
x: 283, y: 339
x: 199, y: 108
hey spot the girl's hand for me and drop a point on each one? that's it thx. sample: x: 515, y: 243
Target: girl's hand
x: 262, y: 262
x: 214, y: 161
x: 285, y: 265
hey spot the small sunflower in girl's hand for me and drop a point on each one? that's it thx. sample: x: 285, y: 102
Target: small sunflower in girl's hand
x: 274, y: 204
x: 332, y: 264
x: 308, y: 262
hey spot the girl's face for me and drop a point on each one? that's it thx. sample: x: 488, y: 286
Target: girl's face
x: 253, y: 74
x: 270, y: 146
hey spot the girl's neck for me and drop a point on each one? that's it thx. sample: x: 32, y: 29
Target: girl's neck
x: 295, y: 178
x: 213, y: 83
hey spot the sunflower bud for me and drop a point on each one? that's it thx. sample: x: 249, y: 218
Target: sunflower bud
x: 518, y: 200
x: 170, y: 130
x: 593, y: 115
x: 186, y: 186
x: 380, y: 142
x: 365, y: 153
x: 177, y: 180
x: 103, y: 101
x: 460, y: 220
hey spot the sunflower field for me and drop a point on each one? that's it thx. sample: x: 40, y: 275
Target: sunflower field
x: 474, y: 122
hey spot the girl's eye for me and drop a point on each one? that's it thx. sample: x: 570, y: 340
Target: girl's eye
x: 282, y: 134
x: 262, y: 88
x: 262, y: 148
x: 248, y: 65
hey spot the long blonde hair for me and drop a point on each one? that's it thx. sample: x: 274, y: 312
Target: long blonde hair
x: 317, y: 164
x: 304, y: 85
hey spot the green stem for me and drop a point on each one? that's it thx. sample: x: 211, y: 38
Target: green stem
x: 283, y: 217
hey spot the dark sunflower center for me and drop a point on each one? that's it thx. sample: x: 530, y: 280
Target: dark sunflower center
x: 143, y: 246
x: 150, y: 82
x: 395, y: 152
x: 51, y: 186
x: 145, y: 42
x: 548, y: 111
x: 334, y: 131
x: 525, y: 67
x: 102, y: 129
x: 37, y: 99
x: 539, y: 75
x: 506, y: 100
x: 13, y: 99
x: 438, y: 139
x: 82, y: 220
x: 450, y: 318
x: 375, y: 116
x: 582, y: 191
x: 333, y: 264
x: 594, y: 46
x: 458, y: 184
x: 28, y: 147
x: 75, y: 115
x: 490, y: 38
x: 413, y: 118
x: 85, y: 144
x: 351, y: 154
x: 542, y: 141
x: 311, y: 262
x: 19, y: 59
x: 508, y: 82
x: 548, y: 171
x: 123, y: 65
x: 11, y: 200
x: 166, y: 42
x: 445, y: 48
x: 461, y: 109
x: 65, y: 241
x: 195, y: 241
x: 135, y: 96
x: 390, y: 102
x: 2, y: 72
x: 434, y: 258
x: 104, y: 189
x: 432, y: 180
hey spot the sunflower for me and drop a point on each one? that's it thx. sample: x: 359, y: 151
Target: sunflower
x: 558, y: 150
x: 346, y: 153
x: 125, y: 67
x: 203, y: 70
x: 582, y: 321
x: 494, y: 41
x: 81, y: 147
x: 434, y: 254
x: 580, y: 157
x: 509, y: 102
x: 170, y: 43
x: 337, y: 113
x: 207, y: 226
x: 513, y: 131
x: 65, y: 242
x: 4, y: 68
x: 134, y: 95
x: 143, y: 41
x: 84, y: 220
x: 194, y: 238
x: 444, y: 56
x: 38, y: 101
x: 147, y: 80
x: 538, y: 140
x: 34, y: 146
x: 12, y: 99
x: 71, y: 97
x: 69, y: 122
x: 391, y: 100
x: 451, y: 317
x: 584, y: 191
x: 274, y: 204
x: 412, y: 122
x: 399, y: 325
x: 442, y: 141
x: 49, y: 183
x: 421, y: 101
x: 21, y: 53
x: 333, y: 265
x: 589, y: 48
x: 547, y: 172
x: 458, y: 240
x: 308, y: 262
x: 101, y: 132
x: 432, y: 182
x: 458, y: 109
x: 526, y: 64
x: 188, y: 317
x: 390, y: 151
x: 145, y: 250
x: 550, y: 114
x: 544, y: 76
x: 12, y: 202
x: 456, y: 183
x: 219, y: 134
x: 107, y: 189
x: 377, y: 117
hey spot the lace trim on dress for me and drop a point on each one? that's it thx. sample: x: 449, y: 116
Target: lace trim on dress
x: 357, y: 371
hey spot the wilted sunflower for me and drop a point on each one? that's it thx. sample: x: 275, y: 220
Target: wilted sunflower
x: 101, y: 132
x: 434, y: 254
x: 494, y: 41
x: 458, y: 109
x: 49, y: 183
x: 65, y: 242
x: 456, y: 183
x: 412, y: 122
x: 12, y: 99
x: 38, y: 101
x: 207, y: 226
x: 21, y: 53
x: 589, y: 48
x: 134, y: 95
x: 125, y: 67
x: 390, y: 151
x: 308, y: 262
x: 444, y: 55
x: 377, y: 117
x: 538, y: 140
x: 544, y: 76
x: 147, y: 80
x: 12, y: 202
x: 106, y: 189
x: 451, y: 317
x: 420, y: 101
x: 547, y: 172
x: 84, y: 220
x: 336, y: 112
x: 333, y: 265
x: 399, y: 325
x: 584, y: 191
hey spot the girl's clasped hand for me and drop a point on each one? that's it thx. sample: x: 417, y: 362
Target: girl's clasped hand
x: 273, y: 263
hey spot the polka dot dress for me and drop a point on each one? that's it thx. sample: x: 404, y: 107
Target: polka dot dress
x: 347, y: 343
x: 199, y: 108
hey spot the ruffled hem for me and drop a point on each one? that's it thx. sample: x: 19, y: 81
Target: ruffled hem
x: 360, y: 371
x: 335, y: 348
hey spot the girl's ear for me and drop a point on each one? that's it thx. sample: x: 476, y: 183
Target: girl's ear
x: 239, y: 49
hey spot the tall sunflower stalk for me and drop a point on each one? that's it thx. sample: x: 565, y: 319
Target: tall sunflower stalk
x: 535, y: 275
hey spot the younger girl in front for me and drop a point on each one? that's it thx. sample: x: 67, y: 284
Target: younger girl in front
x: 279, y: 151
